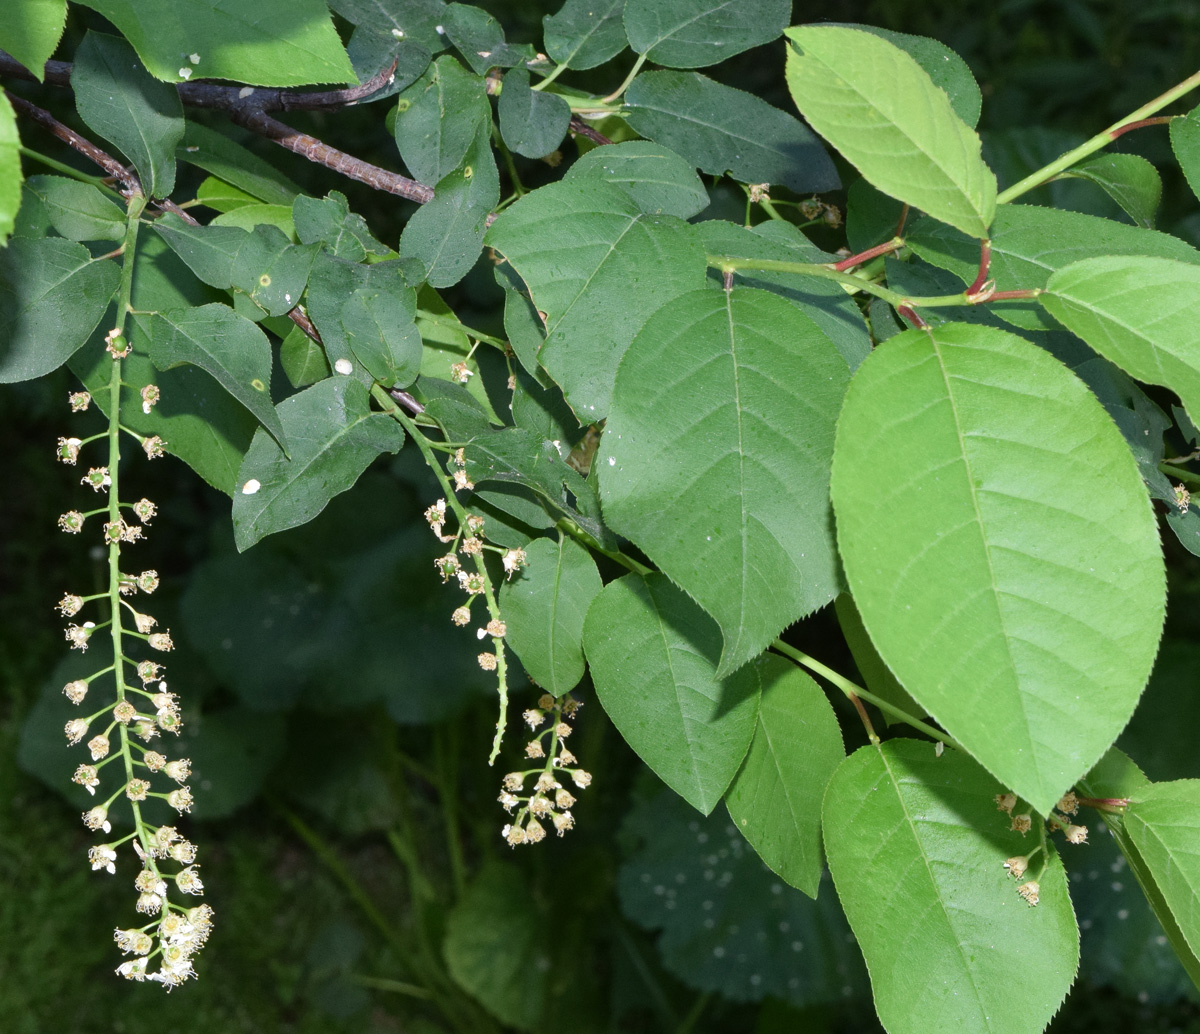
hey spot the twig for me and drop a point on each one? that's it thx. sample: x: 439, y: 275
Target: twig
x: 583, y: 129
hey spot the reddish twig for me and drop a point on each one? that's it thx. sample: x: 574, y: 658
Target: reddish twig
x: 985, y: 263
x: 910, y: 314
x: 1159, y: 120
x: 895, y: 244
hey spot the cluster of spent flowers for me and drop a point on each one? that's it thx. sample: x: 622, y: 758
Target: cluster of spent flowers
x: 141, y: 708
x: 549, y: 801
x: 1022, y: 823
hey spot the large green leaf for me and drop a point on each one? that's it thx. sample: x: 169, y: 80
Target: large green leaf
x: 382, y: 334
x: 333, y: 436
x: 998, y: 601
x: 1164, y: 824
x: 10, y: 170
x: 723, y: 131
x: 266, y: 43
x: 544, y: 608
x: 695, y: 33
x: 328, y: 220
x: 31, y: 29
x: 917, y: 852
x: 52, y: 295
x: 438, y: 118
x: 1029, y: 242
x: 1130, y: 180
x: 659, y: 181
x: 715, y: 459
x: 775, y: 799
x: 653, y: 657
x: 227, y: 346
x: 879, y: 108
x: 1185, y: 141
x: 1140, y: 312
x: 78, y: 211
x: 585, y: 33
x: 596, y: 284
x: 479, y: 38
x: 122, y: 102
x: 532, y: 123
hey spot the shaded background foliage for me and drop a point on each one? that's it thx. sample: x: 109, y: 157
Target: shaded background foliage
x: 341, y: 725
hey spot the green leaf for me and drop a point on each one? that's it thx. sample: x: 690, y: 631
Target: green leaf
x: 415, y: 20
x: 445, y: 343
x: 214, y: 152
x: 10, y: 170
x: 1164, y: 824
x: 723, y: 131
x: 544, y: 608
x: 827, y: 304
x: 333, y: 435
x: 439, y: 118
x: 715, y: 459
x: 879, y: 108
x: 329, y: 221
x: 250, y: 217
x: 31, y: 30
x: 695, y: 33
x: 1185, y: 142
x: 1138, y: 311
x: 1130, y: 180
x: 917, y: 853
x: 659, y: 181
x: 597, y: 283
x: 532, y: 123
x: 1029, y: 242
x: 479, y: 38
x: 585, y: 33
x: 446, y: 235
x: 78, y: 211
x: 993, y: 597
x: 876, y: 675
x: 52, y: 295
x: 267, y: 43
x: 227, y: 346
x: 947, y: 70
x: 118, y: 99
x: 372, y: 50
x: 302, y: 359
x: 382, y: 334
x: 653, y: 657
x: 775, y: 799
x: 872, y: 217
x: 500, y: 947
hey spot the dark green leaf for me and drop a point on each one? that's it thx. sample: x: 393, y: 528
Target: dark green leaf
x: 480, y: 39
x: 382, y: 334
x: 333, y: 436
x: 1185, y: 141
x: 917, y: 851
x: 653, y: 656
x: 214, y: 152
x: 544, y: 607
x: 230, y: 348
x: 439, y: 117
x: 414, y: 20
x: 78, y: 211
x: 597, y: 283
x: 871, y: 216
x: 122, y: 102
x: 329, y: 221
x: 52, y: 295
x: 30, y: 31
x: 994, y: 600
x: 303, y: 360
x: 585, y: 33
x: 723, y: 131
x: 695, y: 33
x: 1130, y: 180
x: 658, y: 180
x: 715, y: 459
x: 775, y: 799
x: 270, y: 43
x: 532, y: 123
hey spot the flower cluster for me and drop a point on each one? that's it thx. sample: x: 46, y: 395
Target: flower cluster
x: 120, y: 729
x: 1022, y: 823
x: 549, y: 801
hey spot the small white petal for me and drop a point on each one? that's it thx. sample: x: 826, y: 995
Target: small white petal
x: 344, y: 366
x: 251, y: 486
x: 194, y: 58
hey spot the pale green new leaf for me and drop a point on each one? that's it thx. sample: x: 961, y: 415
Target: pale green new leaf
x: 544, y: 607
x: 10, y: 169
x: 264, y: 43
x: 227, y: 346
x: 333, y: 435
x: 78, y: 211
x: 653, y: 657
x: 117, y: 98
x: 695, y: 33
x: 1164, y: 823
x: 775, y: 799
x: 30, y: 31
x: 1024, y: 622
x: 596, y: 284
x: 917, y: 852
x: 1140, y: 312
x: 880, y: 109
x: 715, y: 459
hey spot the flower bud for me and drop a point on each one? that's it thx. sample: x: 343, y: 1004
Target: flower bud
x: 144, y: 622
x: 545, y: 701
x: 534, y: 832
x: 98, y: 746
x: 581, y: 778
x: 487, y: 661
x: 181, y: 799
x: 179, y: 770
x: 1076, y: 834
x: 1017, y: 865
x: 76, y: 729
x: 1029, y: 891
x: 75, y: 691
x: 1005, y: 802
